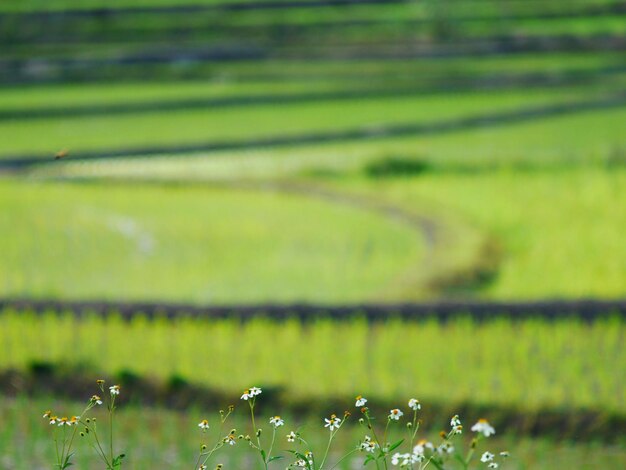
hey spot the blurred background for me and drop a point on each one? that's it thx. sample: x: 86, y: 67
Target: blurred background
x: 324, y: 198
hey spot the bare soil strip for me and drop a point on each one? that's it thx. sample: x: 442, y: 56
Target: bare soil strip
x: 583, y: 309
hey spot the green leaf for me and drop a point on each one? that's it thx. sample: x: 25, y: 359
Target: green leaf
x: 436, y: 464
x: 263, y: 454
x: 395, y: 445
x: 117, y: 462
x: 276, y: 457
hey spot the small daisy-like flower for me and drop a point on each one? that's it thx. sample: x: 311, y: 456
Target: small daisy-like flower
x: 421, y: 447
x: 96, y: 399
x: 246, y: 394
x: 367, y: 445
x: 455, y: 421
x: 63, y: 421
x: 395, y: 414
x: 114, y: 389
x: 487, y: 457
x: 484, y: 427
x: 202, y: 467
x: 445, y: 448
x: 276, y: 421
x: 404, y: 460
x: 204, y: 424
x: 415, y: 404
x: 254, y: 391
x: 504, y: 454
x: 291, y: 437
x: 54, y: 420
x: 360, y: 401
x: 73, y: 421
x: 47, y: 414
x: 230, y: 440
x: 457, y: 429
x: 333, y: 422
x: 492, y: 465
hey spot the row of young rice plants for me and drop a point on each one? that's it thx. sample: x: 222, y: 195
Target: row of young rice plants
x: 592, y: 138
x: 526, y: 364
x: 160, y: 438
x: 290, y: 78
x: 460, y: 10
x: 236, y: 124
x: 312, y: 32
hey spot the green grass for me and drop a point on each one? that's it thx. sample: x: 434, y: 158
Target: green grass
x: 195, y: 244
x: 154, y: 438
x: 525, y: 364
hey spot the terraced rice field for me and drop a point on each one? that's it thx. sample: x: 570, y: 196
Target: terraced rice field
x: 232, y: 152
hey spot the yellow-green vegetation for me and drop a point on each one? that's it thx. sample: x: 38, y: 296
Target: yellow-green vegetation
x: 525, y: 364
x: 558, y: 232
x: 201, y: 244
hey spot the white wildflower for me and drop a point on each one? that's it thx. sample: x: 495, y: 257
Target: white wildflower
x: 333, y: 422
x: 204, y: 424
x: 414, y: 404
x: 484, y: 427
x: 277, y: 421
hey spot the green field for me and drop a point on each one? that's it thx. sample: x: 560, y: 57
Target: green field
x: 96, y: 241
x: 328, y: 154
x: 527, y: 365
x: 269, y: 121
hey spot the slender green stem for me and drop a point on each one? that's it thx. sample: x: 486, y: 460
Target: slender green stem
x: 344, y: 458
x: 384, y: 446
x: 198, y: 460
x: 468, y: 457
x: 258, y: 437
x: 269, y: 452
x: 100, y: 453
x: 209, y: 453
x: 63, y: 448
x: 56, y: 446
x: 330, y: 440
x: 94, y: 431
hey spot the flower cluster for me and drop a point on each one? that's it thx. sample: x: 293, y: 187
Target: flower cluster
x: 64, y: 443
x: 378, y: 444
x: 250, y: 393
